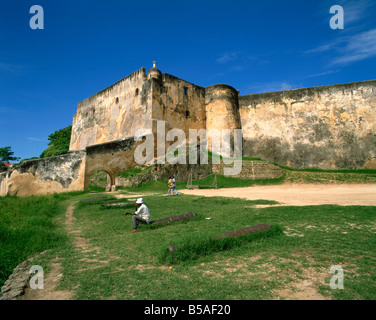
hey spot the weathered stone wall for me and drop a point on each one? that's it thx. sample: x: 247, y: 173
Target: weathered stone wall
x: 69, y: 172
x: 139, y: 101
x: 222, y: 112
x: 179, y: 103
x: 164, y: 172
x: 222, y: 107
x: 45, y: 176
x: 253, y: 170
x: 113, y: 113
x: 112, y: 157
x: 323, y: 127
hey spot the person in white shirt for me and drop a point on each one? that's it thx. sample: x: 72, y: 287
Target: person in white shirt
x: 142, y: 214
x: 174, y: 186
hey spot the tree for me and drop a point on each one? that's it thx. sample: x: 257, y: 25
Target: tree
x: 6, y: 155
x: 59, y: 143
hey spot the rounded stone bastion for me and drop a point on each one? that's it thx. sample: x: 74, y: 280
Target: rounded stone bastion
x: 222, y: 108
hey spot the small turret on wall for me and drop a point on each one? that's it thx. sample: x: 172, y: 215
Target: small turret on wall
x: 154, y: 72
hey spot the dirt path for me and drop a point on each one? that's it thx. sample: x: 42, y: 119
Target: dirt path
x: 53, y: 277
x: 299, y: 194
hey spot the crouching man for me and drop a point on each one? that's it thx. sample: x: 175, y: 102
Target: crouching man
x: 142, y: 215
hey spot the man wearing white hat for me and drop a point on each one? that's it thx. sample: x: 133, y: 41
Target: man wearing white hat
x: 142, y: 214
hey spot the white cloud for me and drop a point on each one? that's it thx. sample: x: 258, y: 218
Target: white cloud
x: 322, y: 48
x: 240, y: 57
x: 235, y: 62
x: 286, y: 86
x: 348, y: 49
x: 359, y: 47
x: 271, y: 86
x: 356, y: 9
x: 323, y: 73
x: 356, y: 12
x: 228, y: 56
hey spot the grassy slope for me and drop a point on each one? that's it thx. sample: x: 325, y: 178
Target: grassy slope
x: 28, y: 226
x: 135, y: 266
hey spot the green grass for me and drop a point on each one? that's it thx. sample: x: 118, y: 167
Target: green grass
x: 138, y: 266
x: 130, y: 172
x: 302, y: 246
x: 96, y: 188
x: 329, y: 177
x: 188, y: 252
x: 135, y: 172
x: 159, y: 186
x: 28, y: 226
x: 358, y: 171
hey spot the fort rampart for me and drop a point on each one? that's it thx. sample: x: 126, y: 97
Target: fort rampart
x: 328, y: 127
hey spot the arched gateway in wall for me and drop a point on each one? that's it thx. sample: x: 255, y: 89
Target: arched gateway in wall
x: 69, y: 172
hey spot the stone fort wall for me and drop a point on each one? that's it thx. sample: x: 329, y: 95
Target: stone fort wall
x: 326, y: 127
x: 114, y: 113
x: 140, y: 100
x: 45, y: 176
x: 69, y: 172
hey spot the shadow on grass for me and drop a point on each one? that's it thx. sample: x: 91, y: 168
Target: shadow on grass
x: 152, y: 226
x: 98, y: 201
x: 193, y: 250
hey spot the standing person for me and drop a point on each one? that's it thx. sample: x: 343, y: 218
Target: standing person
x: 174, y: 185
x: 142, y: 214
x: 170, y: 186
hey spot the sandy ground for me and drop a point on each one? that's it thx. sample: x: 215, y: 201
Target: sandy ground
x: 300, y: 194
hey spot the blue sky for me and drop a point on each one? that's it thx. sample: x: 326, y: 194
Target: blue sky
x: 85, y: 46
